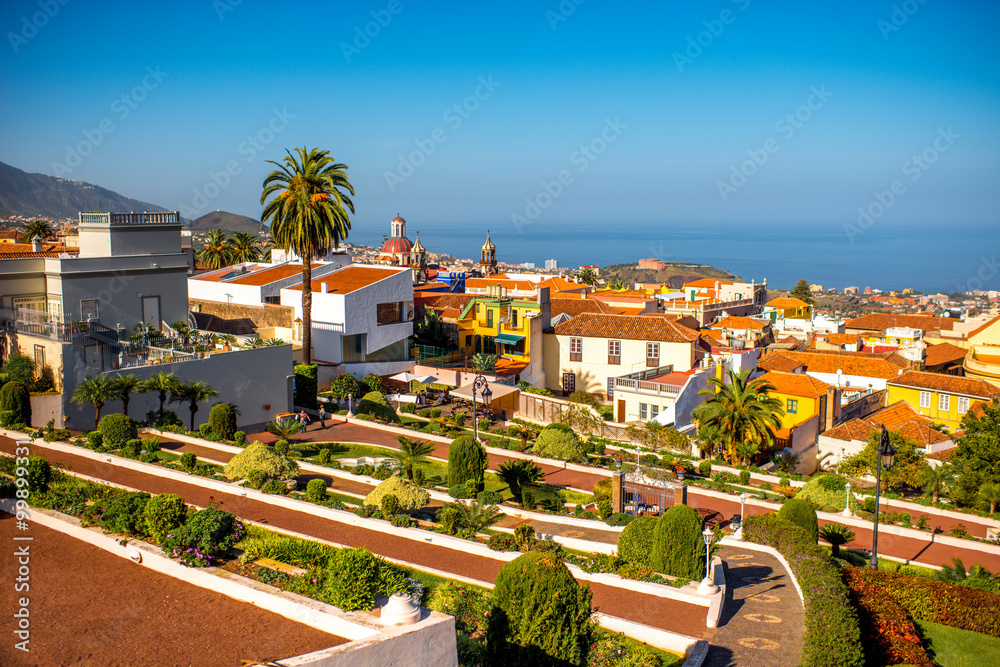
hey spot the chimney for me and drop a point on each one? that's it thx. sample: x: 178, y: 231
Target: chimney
x: 545, y: 307
x: 324, y: 287
x: 36, y: 243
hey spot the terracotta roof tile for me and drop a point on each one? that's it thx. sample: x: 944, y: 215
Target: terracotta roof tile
x: 574, y: 307
x: 849, y: 363
x: 899, y: 416
x: 49, y: 249
x: 627, y: 327
x: 786, y: 302
x: 349, y: 279
x: 707, y: 282
x: 951, y: 384
x: 882, y: 321
x: 983, y: 327
x: 796, y: 384
x: 842, y: 339
x: 779, y: 362
x: 944, y: 353
x: 739, y: 323
x: 271, y: 275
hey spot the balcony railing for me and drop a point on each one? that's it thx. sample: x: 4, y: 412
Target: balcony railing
x: 38, y: 323
x: 640, y: 382
x: 166, y: 218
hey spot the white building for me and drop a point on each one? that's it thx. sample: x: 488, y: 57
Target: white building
x: 551, y: 264
x: 253, y: 283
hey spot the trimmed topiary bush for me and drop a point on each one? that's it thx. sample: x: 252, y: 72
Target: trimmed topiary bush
x: 375, y: 404
x: 189, y: 461
x: 558, y: 441
x: 258, y: 456
x: 239, y: 438
x: 389, y: 505
x: 801, y: 514
x: 408, y: 495
x: 353, y: 577
x: 705, y: 469
x: 540, y: 614
x: 116, y: 430
x: 306, y: 385
x: 164, y: 513
x: 602, y: 489
x: 677, y: 544
x: 95, y: 439
x: 14, y: 397
x: 502, y: 542
x: 619, y: 519
x: 222, y: 421
x: 274, y: 488
x: 39, y: 474
x: 635, y: 544
x: 466, y: 460
x: 828, y: 491
x: 316, y: 490
x: 744, y: 477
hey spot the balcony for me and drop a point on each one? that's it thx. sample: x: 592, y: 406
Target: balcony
x: 644, y: 382
x: 173, y: 218
x: 39, y: 323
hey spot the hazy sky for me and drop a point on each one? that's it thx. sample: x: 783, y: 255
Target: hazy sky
x: 463, y: 112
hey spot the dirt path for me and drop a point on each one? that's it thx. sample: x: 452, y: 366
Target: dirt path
x: 667, y: 614
x: 90, y: 607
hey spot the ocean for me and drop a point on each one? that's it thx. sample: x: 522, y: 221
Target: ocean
x: 944, y: 258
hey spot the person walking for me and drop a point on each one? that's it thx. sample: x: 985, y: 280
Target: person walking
x: 304, y: 420
x: 322, y: 417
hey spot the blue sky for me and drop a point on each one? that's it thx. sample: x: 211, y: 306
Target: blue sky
x: 225, y: 72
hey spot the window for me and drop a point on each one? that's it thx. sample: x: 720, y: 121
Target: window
x: 925, y: 399
x: 611, y: 388
x: 614, y: 352
x: 576, y: 349
x: 39, y: 359
x: 513, y: 319
x: 791, y: 406
x: 489, y: 317
x: 963, y: 404
x: 389, y: 313
x: 652, y: 354
x: 944, y: 402
x: 569, y: 383
x: 653, y: 411
x: 468, y: 341
x: 643, y: 411
x: 89, y: 310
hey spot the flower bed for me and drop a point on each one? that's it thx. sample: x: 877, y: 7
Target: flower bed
x: 887, y: 627
x: 832, y: 632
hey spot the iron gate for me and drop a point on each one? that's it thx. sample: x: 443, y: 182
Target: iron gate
x: 647, y: 491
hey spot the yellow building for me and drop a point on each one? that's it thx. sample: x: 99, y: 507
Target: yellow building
x: 789, y: 308
x: 509, y: 328
x: 944, y: 399
x: 802, y: 398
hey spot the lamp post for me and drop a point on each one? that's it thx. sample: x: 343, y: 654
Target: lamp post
x: 350, y: 404
x: 739, y: 531
x: 481, y: 384
x: 847, y: 505
x: 707, y: 585
x: 884, y: 458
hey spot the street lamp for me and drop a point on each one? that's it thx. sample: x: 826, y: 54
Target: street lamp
x: 481, y: 384
x: 707, y: 585
x: 739, y: 531
x: 847, y: 505
x: 884, y: 459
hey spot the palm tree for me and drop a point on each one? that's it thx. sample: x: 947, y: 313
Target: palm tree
x: 746, y: 450
x: 308, y: 215
x: 990, y: 492
x: 836, y: 534
x: 741, y: 410
x: 474, y: 517
x: 587, y: 276
x: 97, y: 390
x: 192, y: 392
x: 517, y: 473
x: 521, y: 431
x: 37, y: 227
x: 284, y: 428
x: 244, y: 247
x: 934, y: 480
x: 125, y: 386
x: 160, y: 383
x: 411, y: 453
x: 216, y: 253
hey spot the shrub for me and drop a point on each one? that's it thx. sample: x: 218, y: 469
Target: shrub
x: 677, y: 543
x: 239, y: 438
x: 116, y: 430
x: 316, y: 490
x: 619, y: 519
x: 324, y: 457
x: 540, y: 615
x: 484, y: 424
x: 39, y: 474
x: 466, y: 460
x: 602, y: 489
x: 7, y: 418
x: 189, y: 461
x: 604, y: 508
x: 425, y: 412
x: 408, y: 408
x: 744, y: 477
x: 132, y: 448
x: 353, y: 577
x: 635, y: 544
x: 306, y: 385
x: 489, y: 498
x: 160, y: 419
x: 827, y: 491
x: 527, y: 499
x: 460, y: 491
x: 122, y: 514
x: 363, y: 469
x: 890, y: 635
x: 164, y: 513
x: 14, y: 398
x: 205, y: 431
x: 800, y: 513
x: 375, y: 404
x: 206, y: 536
x: 222, y: 421
x: 705, y: 469
x: 150, y: 443
x: 256, y: 478
x: 94, y: 439
x: 558, y: 441
x: 408, y: 495
x: 274, y: 487
x: 460, y: 418
x: 389, y: 505
x: 400, y: 520
x: 502, y: 542
x: 832, y: 634
x: 524, y: 536
x: 258, y: 456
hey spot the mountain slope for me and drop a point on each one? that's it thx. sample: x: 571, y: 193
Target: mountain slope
x: 38, y: 195
x: 230, y: 223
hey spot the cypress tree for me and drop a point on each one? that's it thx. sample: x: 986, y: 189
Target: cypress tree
x: 466, y: 460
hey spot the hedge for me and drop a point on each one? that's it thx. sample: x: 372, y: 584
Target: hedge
x: 888, y: 628
x: 802, y: 515
x: 14, y: 397
x: 832, y: 632
x: 116, y: 430
x: 222, y: 421
x: 306, y: 385
x: 956, y: 606
x: 636, y: 542
x: 376, y: 405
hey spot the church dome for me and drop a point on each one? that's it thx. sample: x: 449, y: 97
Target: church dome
x: 418, y: 246
x: 489, y: 244
x: 397, y: 245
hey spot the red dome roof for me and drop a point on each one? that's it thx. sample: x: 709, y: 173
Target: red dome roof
x: 398, y: 219
x: 397, y: 245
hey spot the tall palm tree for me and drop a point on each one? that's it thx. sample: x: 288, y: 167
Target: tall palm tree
x: 125, y: 386
x: 935, y: 480
x: 96, y: 390
x: 216, y: 253
x: 587, y: 276
x: 308, y: 214
x: 518, y: 473
x: 37, y: 227
x: 192, y: 392
x: 411, y: 453
x: 741, y: 409
x: 161, y: 383
x: 244, y: 247
x: 990, y: 492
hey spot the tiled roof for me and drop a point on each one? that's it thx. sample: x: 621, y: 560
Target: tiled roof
x: 20, y: 250
x: 790, y: 340
x: 950, y: 384
x: 842, y: 339
x: 779, y: 362
x: 438, y: 300
x: 574, y: 307
x: 611, y: 295
x: 786, y: 302
x: 12, y: 234
x: 882, y: 321
x: 707, y: 282
x: 242, y: 326
x: 942, y: 455
x: 627, y: 327
x: 944, y: 353
x: 849, y: 363
x: 982, y: 327
x: 739, y: 323
x: 796, y: 384
x: 349, y: 279
x: 899, y: 416
x: 272, y: 275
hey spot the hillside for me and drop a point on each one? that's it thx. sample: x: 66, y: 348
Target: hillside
x: 38, y: 195
x: 231, y: 223
x: 674, y: 275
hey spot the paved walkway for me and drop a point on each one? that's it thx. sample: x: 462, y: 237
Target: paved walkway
x: 762, y: 620
x: 659, y: 612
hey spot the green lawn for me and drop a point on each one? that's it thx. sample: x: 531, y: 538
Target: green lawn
x: 951, y: 647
